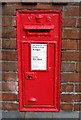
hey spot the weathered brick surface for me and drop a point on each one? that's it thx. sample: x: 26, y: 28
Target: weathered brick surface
x: 70, y: 56
x: 70, y: 65
x: 9, y: 55
x: 71, y: 11
x: 77, y: 107
x: 78, y: 67
x: 70, y: 77
x: 78, y: 87
x: 79, y: 22
x: 8, y: 32
x: 9, y: 66
x: 69, y: 44
x: 71, y: 33
x: 46, y: 6
x: 9, y: 106
x: 71, y: 97
x: 9, y: 86
x: 67, y: 67
x: 8, y: 9
x: 79, y: 45
x: 67, y: 87
x: 9, y: 43
x: 9, y: 97
x: 9, y: 76
x: 38, y: 6
x: 0, y: 43
x: 8, y: 21
x: 0, y: 32
x: 0, y: 56
x: 70, y: 22
x: 26, y: 5
x: 67, y: 107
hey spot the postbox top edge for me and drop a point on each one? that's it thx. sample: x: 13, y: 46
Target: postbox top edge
x: 39, y: 11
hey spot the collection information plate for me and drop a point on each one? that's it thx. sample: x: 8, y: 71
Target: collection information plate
x: 38, y: 56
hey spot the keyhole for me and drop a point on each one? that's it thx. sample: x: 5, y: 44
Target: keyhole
x: 28, y: 77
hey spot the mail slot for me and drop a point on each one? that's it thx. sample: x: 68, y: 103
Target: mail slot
x: 39, y: 51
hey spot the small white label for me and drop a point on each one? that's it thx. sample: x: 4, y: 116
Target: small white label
x: 38, y: 56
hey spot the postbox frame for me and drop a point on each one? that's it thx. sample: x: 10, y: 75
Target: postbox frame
x: 58, y: 63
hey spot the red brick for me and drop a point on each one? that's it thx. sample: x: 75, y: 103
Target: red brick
x: 70, y: 56
x: 1, y: 76
x: 71, y: 33
x: 78, y: 67
x: 0, y: 96
x: 71, y: 11
x: 0, y: 86
x: 67, y: 87
x: 67, y: 67
x: 8, y: 32
x: 67, y: 107
x: 8, y: 21
x: 10, y: 106
x: 69, y: 44
x: 46, y: 6
x: 25, y: 6
x: 70, y: 77
x: 79, y: 22
x: 71, y: 97
x: 9, y: 66
x: 0, y: 32
x: 69, y: 22
x: 0, y: 66
x: 9, y: 97
x: 79, y: 44
x: 0, y: 56
x: 79, y: 33
x: 77, y: 107
x: 77, y: 97
x: 79, y: 10
x: 0, y: 106
x: 9, y: 55
x: 0, y: 44
x: 78, y: 87
x: 8, y: 9
x: 0, y: 19
x: 9, y: 76
x: 66, y: 98
x: 9, y: 86
x: 38, y: 6
x: 9, y: 44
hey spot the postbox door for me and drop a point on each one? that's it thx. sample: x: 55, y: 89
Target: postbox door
x: 38, y: 73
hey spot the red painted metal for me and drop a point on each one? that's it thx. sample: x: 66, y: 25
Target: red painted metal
x: 39, y: 90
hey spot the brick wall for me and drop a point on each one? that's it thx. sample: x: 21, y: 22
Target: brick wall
x: 70, y: 65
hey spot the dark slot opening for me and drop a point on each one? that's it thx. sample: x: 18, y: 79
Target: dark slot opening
x: 39, y: 30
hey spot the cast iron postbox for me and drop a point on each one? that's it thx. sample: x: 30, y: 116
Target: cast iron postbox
x: 39, y: 41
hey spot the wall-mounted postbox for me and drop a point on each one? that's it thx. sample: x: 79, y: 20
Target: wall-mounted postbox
x: 39, y: 41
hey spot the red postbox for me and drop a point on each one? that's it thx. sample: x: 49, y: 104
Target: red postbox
x: 39, y: 44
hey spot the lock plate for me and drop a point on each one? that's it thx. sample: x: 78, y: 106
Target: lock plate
x: 30, y: 75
